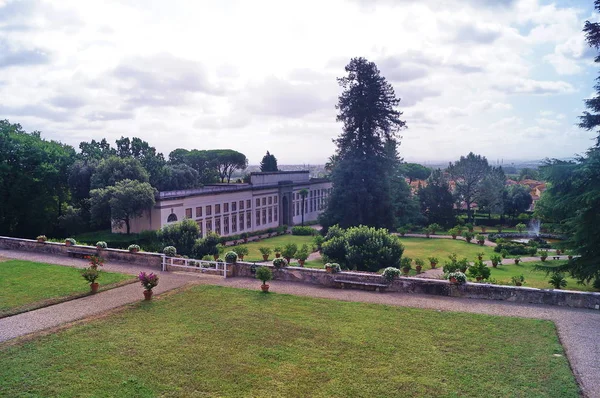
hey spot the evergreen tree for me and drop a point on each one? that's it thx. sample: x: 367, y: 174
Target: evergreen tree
x: 437, y: 203
x: 363, y: 173
x: 268, y: 163
x: 468, y: 174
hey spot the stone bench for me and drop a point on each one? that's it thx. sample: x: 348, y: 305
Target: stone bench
x: 78, y: 253
x: 367, y: 285
x: 556, y: 257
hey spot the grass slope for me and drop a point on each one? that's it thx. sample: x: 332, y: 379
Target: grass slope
x: 25, y: 283
x: 212, y: 341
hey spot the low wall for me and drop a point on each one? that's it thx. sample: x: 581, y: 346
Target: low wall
x: 436, y: 287
x: 142, y: 258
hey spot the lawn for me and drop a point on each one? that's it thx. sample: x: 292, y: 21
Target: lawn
x: 533, y: 278
x: 282, y: 240
x: 27, y: 285
x: 442, y: 248
x: 213, y: 341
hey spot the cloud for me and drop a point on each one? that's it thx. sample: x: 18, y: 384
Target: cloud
x: 67, y: 101
x: 36, y: 110
x: 413, y: 94
x: 10, y: 56
x: 109, y: 115
x: 536, y: 87
x: 473, y: 33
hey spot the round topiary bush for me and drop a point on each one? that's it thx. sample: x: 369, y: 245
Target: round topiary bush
x: 170, y: 251
x: 390, y: 273
x: 279, y: 263
x: 231, y: 257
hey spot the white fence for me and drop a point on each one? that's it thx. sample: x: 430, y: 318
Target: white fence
x: 189, y: 263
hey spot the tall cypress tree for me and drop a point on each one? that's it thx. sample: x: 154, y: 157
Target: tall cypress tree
x: 362, y: 176
x: 268, y: 163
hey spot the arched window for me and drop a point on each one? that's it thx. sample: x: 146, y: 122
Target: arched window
x: 172, y: 217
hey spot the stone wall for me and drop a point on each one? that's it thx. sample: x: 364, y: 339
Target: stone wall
x: 436, y: 287
x: 142, y: 258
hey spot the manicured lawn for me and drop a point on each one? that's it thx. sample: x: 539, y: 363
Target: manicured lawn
x: 442, y: 248
x: 533, y: 278
x: 282, y: 240
x: 212, y: 341
x: 26, y: 285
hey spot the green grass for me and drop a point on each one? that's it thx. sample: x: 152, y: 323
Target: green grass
x: 282, y: 240
x: 533, y: 278
x: 442, y: 248
x: 212, y: 341
x: 27, y: 285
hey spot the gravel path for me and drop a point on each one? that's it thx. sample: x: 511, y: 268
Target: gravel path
x: 577, y: 328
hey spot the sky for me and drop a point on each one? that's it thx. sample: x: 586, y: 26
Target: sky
x: 505, y: 78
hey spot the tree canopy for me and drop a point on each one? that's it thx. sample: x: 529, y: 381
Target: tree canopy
x: 415, y: 171
x: 436, y: 201
x: 468, y: 173
x: 365, y: 165
x: 268, y: 163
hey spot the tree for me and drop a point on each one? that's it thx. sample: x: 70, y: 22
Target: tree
x: 436, y: 201
x: 517, y: 200
x: 490, y: 197
x: 303, y: 194
x: 184, y: 236
x: 227, y: 161
x: 127, y: 199
x: 415, y: 171
x: 178, y: 176
x: 114, y: 169
x: 204, y: 162
x: 529, y: 174
x: 96, y: 150
x: 136, y: 148
x: 468, y: 173
x: 268, y: 163
x: 362, y: 177
x: 331, y: 162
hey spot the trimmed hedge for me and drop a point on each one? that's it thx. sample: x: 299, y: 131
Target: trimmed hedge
x: 303, y: 231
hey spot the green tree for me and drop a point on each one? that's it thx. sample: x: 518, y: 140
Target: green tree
x: 517, y: 200
x: 415, y: 171
x: 436, y: 201
x: 127, y: 199
x: 184, y: 236
x: 303, y: 194
x: 268, y: 163
x: 468, y: 173
x: 490, y: 197
x: 204, y: 162
x: 529, y: 174
x: 227, y: 161
x: 114, y: 169
x: 96, y: 150
x: 362, y: 178
x: 136, y: 148
x: 178, y: 176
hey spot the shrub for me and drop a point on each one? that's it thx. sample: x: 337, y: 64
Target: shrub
x: 390, y: 273
x: 289, y: 251
x: 558, y: 280
x: 433, y: 260
x: 504, y: 253
x: 303, y: 253
x: 264, y: 274
x: 101, y: 245
x: 479, y: 269
x: 469, y: 227
x: 42, y: 238
x: 265, y: 250
x: 518, y: 280
x: 459, y: 276
x: 544, y: 255
x: 71, y: 241
x: 334, y: 231
x: 277, y: 249
x: 241, y: 251
x: 512, y: 248
x: 454, y: 265
x: 496, y: 259
x: 244, y: 235
x: 279, y: 263
x: 419, y: 262
x: 335, y: 249
x: 480, y: 238
x: 170, y: 251
x: 454, y: 232
x: 207, y: 246
x: 303, y: 231
x: 335, y: 267
x: 318, y: 241
x: 468, y: 235
x: 182, y: 235
x: 148, y: 280
x: 406, y: 263
x: 370, y: 249
x: 133, y: 248
x: 521, y: 227
x: 231, y: 257
x: 402, y: 231
x: 433, y: 228
x: 90, y: 274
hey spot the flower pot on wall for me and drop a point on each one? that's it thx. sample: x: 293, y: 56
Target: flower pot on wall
x: 265, y: 257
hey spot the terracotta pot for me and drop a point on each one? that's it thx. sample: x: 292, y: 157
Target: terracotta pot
x: 301, y: 262
x: 241, y: 257
x: 67, y: 243
x: 478, y: 278
x: 265, y: 257
x: 405, y: 271
x: 543, y: 258
x: 427, y: 235
x: 481, y: 242
x: 480, y: 258
x: 94, y: 286
x: 134, y: 250
x: 41, y: 241
x: 518, y: 283
x: 148, y: 294
x: 288, y: 259
x: 433, y: 265
x: 277, y: 255
x: 494, y: 264
x: 517, y: 262
x: 216, y: 257
x: 570, y: 257
x: 264, y: 287
x: 453, y: 280
x: 453, y: 236
x: 329, y: 270
x: 419, y: 268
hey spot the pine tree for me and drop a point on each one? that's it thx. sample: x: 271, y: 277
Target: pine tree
x: 268, y: 163
x: 362, y: 177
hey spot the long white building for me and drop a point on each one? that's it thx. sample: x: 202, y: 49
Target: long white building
x: 269, y: 200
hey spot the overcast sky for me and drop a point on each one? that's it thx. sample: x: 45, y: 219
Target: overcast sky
x: 502, y: 78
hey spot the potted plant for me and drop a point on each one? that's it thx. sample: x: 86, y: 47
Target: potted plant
x: 318, y: 240
x: 468, y: 235
x: 402, y: 231
x: 277, y: 250
x: 518, y: 280
x: 453, y: 232
x: 241, y: 251
x: 231, y: 257
x: 390, y: 273
x: 570, y: 257
x: 42, y: 238
x: 302, y: 255
x: 264, y: 274
x: 469, y: 227
x: 499, y: 228
x: 483, y: 229
x: 279, y: 263
x: 504, y: 253
x: 434, y: 228
x: 244, y: 236
x: 558, y: 252
x: 457, y: 278
x: 480, y: 239
x: 70, y: 242
x: 496, y: 259
x: 265, y: 251
x: 419, y: 265
x: 95, y: 261
x: 148, y: 281
x: 170, y: 251
x: 480, y: 256
x: 91, y: 274
x: 544, y: 255
x: 289, y: 251
x: 427, y: 232
x: 558, y: 280
x: 433, y: 261
x: 332, y: 268
x: 133, y: 248
x: 100, y: 245
x: 463, y: 265
x: 406, y: 265
x: 517, y: 260
x: 479, y: 271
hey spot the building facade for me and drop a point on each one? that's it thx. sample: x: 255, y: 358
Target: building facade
x: 268, y: 201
